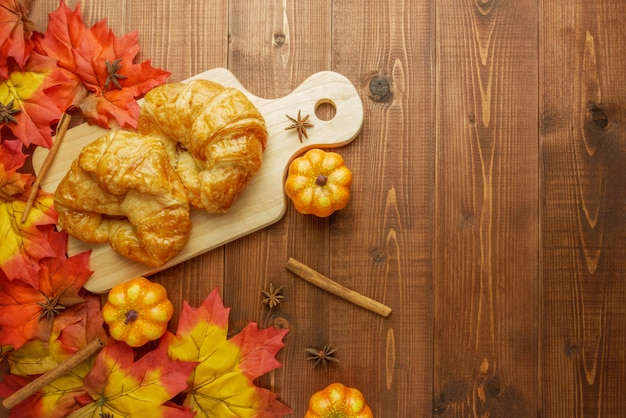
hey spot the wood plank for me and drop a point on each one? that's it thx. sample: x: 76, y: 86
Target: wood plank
x: 185, y: 37
x: 274, y: 46
x: 381, y: 244
x: 486, y: 301
x: 584, y: 222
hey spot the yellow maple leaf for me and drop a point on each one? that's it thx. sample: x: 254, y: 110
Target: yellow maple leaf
x: 122, y: 387
x: 24, y: 244
x: 222, y: 384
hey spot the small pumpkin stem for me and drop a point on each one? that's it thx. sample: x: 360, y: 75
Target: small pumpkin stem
x: 131, y: 316
x: 321, y: 180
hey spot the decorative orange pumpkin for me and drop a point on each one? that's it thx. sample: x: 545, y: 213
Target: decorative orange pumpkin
x: 338, y: 401
x: 318, y: 183
x: 137, y: 311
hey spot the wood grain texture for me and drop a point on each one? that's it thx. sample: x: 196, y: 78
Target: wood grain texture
x: 485, y: 259
x: 389, y: 221
x: 487, y: 207
x: 583, y: 230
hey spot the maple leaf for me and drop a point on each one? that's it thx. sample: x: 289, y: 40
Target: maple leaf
x: 24, y: 244
x: 123, y: 387
x: 12, y: 182
x: 103, y: 63
x: 15, y: 33
x: 58, y: 399
x: 119, y: 105
x: 29, y: 94
x: 28, y: 309
x: 72, y: 331
x: 19, y: 312
x: 222, y: 382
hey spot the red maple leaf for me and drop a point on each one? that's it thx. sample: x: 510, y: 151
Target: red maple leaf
x: 12, y: 182
x: 100, y: 63
x: 15, y: 32
x: 223, y: 381
x: 83, y: 324
x: 29, y: 309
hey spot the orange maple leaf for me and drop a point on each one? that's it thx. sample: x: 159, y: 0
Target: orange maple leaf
x: 100, y: 63
x: 28, y: 309
x: 15, y: 32
x: 79, y: 325
x: 30, y: 94
x: 12, y: 182
x: 223, y: 381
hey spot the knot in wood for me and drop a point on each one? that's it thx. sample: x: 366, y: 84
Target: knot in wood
x: 571, y: 349
x: 279, y: 321
x: 279, y: 39
x: 377, y: 255
x: 492, y: 388
x: 380, y: 89
x: 599, y: 117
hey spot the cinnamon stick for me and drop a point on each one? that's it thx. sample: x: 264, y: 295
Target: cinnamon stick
x: 60, y: 133
x: 323, y: 282
x: 46, y: 378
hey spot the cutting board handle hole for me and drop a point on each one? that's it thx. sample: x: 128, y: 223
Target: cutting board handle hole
x: 325, y: 109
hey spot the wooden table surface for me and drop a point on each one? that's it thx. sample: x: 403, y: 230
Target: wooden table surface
x: 488, y: 205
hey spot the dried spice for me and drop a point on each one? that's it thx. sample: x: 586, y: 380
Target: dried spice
x: 300, y: 125
x: 6, y: 113
x: 324, y: 356
x: 272, y: 297
x: 112, y: 75
x: 50, y: 308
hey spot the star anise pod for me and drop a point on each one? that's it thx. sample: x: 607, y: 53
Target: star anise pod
x: 273, y: 296
x: 113, y: 76
x: 323, y: 356
x: 50, y: 308
x: 7, y: 112
x: 300, y: 125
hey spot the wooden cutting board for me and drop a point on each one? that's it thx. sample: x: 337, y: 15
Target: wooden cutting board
x: 261, y: 204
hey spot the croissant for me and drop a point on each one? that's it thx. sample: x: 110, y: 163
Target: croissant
x: 214, y: 135
x: 123, y: 189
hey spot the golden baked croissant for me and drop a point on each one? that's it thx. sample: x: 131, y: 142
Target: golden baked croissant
x: 214, y: 134
x: 123, y: 189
